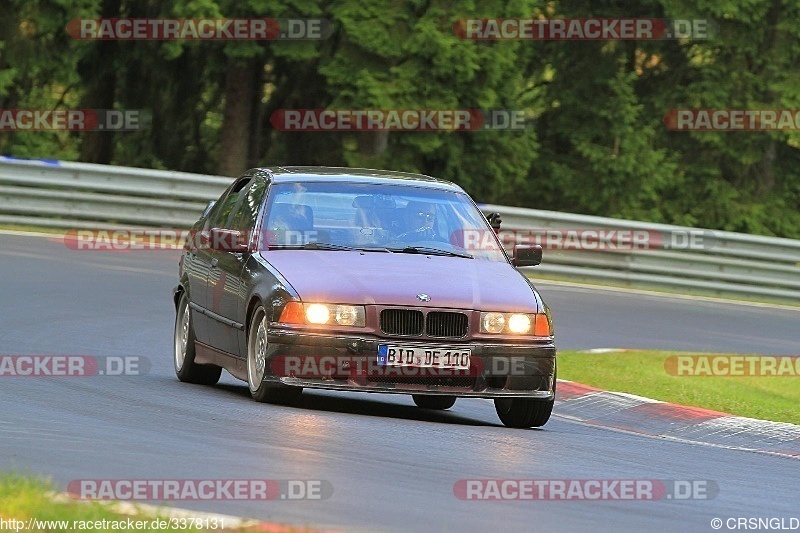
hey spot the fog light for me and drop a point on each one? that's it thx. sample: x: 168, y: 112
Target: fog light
x: 519, y: 324
x: 493, y: 322
x: 317, y: 314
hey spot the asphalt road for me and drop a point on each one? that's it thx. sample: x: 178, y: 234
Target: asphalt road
x: 603, y: 318
x: 392, y: 466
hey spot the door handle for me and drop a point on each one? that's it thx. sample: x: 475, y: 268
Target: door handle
x: 214, y: 262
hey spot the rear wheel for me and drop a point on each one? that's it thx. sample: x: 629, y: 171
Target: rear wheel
x: 525, y: 412
x: 257, y: 344
x: 434, y: 402
x: 185, y: 368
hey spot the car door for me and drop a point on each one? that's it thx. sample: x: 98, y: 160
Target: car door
x: 226, y: 289
x: 195, y: 268
x: 197, y: 264
x: 204, y: 263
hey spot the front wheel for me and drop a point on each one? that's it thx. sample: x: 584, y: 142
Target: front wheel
x: 185, y: 368
x: 433, y: 402
x: 257, y: 344
x: 525, y: 412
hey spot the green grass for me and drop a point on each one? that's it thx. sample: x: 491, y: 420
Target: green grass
x: 643, y: 373
x: 25, y: 497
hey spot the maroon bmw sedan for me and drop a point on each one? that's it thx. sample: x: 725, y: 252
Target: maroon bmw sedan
x: 362, y: 280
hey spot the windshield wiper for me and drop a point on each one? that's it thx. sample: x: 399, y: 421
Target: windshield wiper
x: 311, y: 246
x: 430, y: 251
x: 327, y: 246
x: 374, y: 249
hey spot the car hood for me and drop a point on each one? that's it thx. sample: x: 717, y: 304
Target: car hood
x: 397, y: 278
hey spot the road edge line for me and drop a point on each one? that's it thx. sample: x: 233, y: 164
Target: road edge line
x: 653, y: 418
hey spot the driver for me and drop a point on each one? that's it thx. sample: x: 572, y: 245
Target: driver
x: 420, y: 218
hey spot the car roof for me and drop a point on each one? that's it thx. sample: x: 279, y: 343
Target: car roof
x: 294, y: 174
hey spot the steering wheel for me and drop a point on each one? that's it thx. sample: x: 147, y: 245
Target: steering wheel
x: 423, y: 233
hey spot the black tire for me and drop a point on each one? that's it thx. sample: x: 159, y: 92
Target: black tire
x: 525, y: 413
x: 434, y: 402
x: 260, y: 390
x: 184, y: 351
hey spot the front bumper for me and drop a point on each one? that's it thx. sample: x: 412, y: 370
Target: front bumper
x: 349, y: 362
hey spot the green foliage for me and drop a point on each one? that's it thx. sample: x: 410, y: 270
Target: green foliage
x: 597, y: 143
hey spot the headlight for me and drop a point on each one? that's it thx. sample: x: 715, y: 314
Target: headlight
x: 347, y: 315
x: 538, y: 325
x: 519, y: 323
x: 319, y: 314
x: 493, y: 322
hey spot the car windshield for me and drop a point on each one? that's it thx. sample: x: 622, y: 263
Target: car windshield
x: 379, y: 217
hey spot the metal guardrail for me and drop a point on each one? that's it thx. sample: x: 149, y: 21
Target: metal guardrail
x: 728, y: 264
x: 78, y: 195
x: 81, y: 195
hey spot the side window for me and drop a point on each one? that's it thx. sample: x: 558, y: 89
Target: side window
x: 218, y: 218
x: 212, y: 214
x: 244, y: 218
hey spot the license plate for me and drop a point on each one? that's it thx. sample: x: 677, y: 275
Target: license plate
x: 423, y: 357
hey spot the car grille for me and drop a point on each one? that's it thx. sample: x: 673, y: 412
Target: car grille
x: 402, y: 322
x: 412, y: 322
x: 453, y: 325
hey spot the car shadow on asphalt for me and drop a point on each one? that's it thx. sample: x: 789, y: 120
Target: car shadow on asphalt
x: 369, y: 404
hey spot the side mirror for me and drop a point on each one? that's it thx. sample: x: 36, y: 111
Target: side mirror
x: 228, y: 240
x: 527, y: 255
